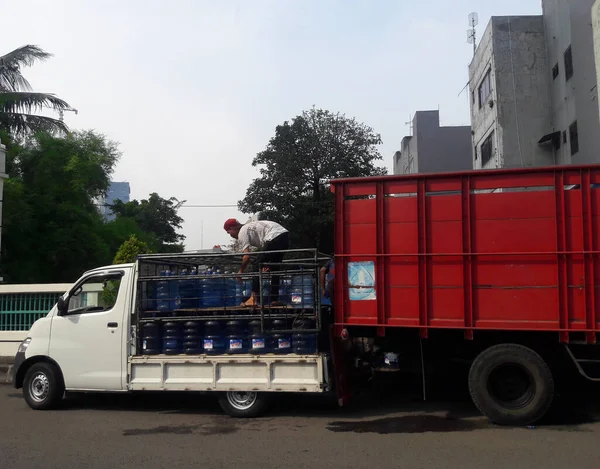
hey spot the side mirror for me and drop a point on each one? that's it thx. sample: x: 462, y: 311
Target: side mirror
x: 62, y: 306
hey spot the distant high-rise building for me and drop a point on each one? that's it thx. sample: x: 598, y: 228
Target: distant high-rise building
x: 116, y: 191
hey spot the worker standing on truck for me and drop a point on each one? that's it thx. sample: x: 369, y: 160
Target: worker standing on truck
x: 266, y: 236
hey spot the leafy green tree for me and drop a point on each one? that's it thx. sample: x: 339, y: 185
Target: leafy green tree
x: 19, y: 104
x: 130, y: 249
x: 126, y: 254
x: 52, y: 228
x: 295, y: 168
x: 156, y: 217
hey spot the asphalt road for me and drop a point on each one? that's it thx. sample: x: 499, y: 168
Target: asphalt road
x: 189, y: 431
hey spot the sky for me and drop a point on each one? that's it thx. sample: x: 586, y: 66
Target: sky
x: 192, y: 89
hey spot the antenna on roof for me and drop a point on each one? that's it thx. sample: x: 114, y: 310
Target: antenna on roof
x: 471, y: 33
x: 410, y: 125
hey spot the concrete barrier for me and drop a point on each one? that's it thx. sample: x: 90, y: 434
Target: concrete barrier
x: 9, y: 342
x: 6, y: 368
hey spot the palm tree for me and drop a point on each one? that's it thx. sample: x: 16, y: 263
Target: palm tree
x: 18, y: 103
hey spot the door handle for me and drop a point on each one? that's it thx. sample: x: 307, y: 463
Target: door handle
x: 112, y: 324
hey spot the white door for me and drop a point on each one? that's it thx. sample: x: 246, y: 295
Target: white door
x: 88, y: 340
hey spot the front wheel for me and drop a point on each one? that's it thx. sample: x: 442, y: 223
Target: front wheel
x: 43, y: 387
x: 243, y: 404
x: 511, y: 384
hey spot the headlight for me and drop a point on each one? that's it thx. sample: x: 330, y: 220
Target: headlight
x: 24, y: 345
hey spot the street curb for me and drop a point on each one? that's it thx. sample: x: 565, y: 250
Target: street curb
x: 6, y: 369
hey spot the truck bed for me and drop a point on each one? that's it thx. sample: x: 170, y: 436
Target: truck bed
x: 501, y: 249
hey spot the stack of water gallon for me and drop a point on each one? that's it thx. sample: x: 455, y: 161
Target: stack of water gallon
x: 210, y: 290
x: 229, y: 337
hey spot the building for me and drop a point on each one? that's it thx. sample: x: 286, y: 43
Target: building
x: 574, y: 90
x: 432, y: 148
x: 533, y: 83
x: 510, y: 96
x: 596, y: 35
x: 116, y: 191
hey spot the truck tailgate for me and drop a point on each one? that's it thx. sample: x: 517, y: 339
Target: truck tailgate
x: 292, y: 373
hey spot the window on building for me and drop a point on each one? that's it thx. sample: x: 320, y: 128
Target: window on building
x: 574, y: 138
x: 564, y: 136
x: 487, y: 150
x: 485, y: 89
x: 568, y: 64
x: 555, y: 72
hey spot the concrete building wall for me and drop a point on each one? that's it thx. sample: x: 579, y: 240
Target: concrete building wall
x: 484, y: 118
x: 432, y: 148
x: 568, y: 23
x: 596, y: 37
x: 517, y: 112
x: 523, y: 96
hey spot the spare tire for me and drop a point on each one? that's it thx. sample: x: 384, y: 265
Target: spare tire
x: 511, y: 384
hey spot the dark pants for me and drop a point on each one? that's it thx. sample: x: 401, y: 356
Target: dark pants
x: 278, y: 244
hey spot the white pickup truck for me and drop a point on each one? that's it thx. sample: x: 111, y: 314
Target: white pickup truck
x: 90, y: 342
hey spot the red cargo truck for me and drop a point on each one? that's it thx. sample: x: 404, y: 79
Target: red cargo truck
x: 496, y: 267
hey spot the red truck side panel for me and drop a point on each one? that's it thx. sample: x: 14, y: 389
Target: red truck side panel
x: 503, y: 249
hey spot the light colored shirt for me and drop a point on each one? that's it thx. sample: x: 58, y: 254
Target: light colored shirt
x: 257, y: 233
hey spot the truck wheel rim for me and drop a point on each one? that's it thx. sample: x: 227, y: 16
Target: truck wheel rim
x: 39, y: 387
x: 511, y: 386
x: 241, y: 400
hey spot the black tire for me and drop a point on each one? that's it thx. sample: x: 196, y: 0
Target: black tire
x: 244, y: 404
x: 511, y: 385
x: 43, y: 386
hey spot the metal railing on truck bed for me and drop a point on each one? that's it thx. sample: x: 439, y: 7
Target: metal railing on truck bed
x: 189, y: 303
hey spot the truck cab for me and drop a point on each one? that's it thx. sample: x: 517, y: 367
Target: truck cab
x: 82, y: 344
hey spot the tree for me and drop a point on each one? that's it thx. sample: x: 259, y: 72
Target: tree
x: 52, y: 229
x: 297, y: 165
x: 157, y: 217
x: 18, y: 103
x: 130, y: 249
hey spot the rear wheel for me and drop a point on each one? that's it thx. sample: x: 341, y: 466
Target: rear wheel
x: 243, y: 404
x: 511, y: 384
x: 43, y: 386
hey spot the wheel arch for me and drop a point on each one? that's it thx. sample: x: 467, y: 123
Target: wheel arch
x: 27, y: 364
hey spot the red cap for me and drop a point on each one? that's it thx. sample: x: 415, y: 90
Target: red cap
x: 231, y: 223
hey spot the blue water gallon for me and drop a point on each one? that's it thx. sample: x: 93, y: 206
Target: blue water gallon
x: 187, y: 292
x: 163, y: 293
x: 258, y: 342
x: 172, y: 338
x: 233, y: 288
x: 174, y: 298
x: 213, y: 342
x: 151, y: 338
x: 281, y: 341
x: 192, y: 338
x: 285, y: 289
x: 302, y: 294
x: 304, y: 343
x: 239, y: 292
x: 266, y: 291
x: 237, y: 338
x: 212, y: 291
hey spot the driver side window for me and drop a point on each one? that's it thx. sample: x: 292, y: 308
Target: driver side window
x: 96, y: 294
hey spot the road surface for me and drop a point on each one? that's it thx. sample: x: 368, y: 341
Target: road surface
x: 188, y: 431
